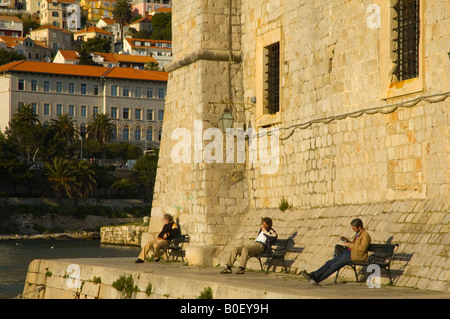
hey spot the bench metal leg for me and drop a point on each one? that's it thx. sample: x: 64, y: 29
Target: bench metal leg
x: 284, y: 265
x: 260, y: 263
x: 389, y: 273
x: 356, y: 273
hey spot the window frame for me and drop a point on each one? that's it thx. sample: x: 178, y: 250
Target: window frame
x: 264, y: 119
x: 389, y: 88
x: 46, y: 86
x: 83, y: 111
x: 21, y: 85
x: 114, y: 112
x: 71, y: 86
x: 127, y: 110
x: 46, y: 109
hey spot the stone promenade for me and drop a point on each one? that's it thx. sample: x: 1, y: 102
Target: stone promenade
x: 175, y: 280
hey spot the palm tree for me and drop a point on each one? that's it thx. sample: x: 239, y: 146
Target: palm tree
x: 61, y: 176
x: 65, y: 127
x: 85, y: 180
x: 100, y: 127
x: 122, y: 13
x: 25, y: 115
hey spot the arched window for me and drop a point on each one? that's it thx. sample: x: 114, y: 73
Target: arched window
x: 114, y: 133
x: 126, y: 133
x: 150, y: 134
x: 137, y: 133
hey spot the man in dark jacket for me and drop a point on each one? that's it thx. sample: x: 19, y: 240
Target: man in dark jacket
x: 262, y: 242
x: 170, y: 230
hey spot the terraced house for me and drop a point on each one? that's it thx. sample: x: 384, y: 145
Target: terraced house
x: 54, y: 12
x: 133, y: 98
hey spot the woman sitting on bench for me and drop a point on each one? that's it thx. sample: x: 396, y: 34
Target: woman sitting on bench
x: 264, y: 241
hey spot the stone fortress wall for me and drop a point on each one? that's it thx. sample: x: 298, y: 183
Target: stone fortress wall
x: 388, y: 166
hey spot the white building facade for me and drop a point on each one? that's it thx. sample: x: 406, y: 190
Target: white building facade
x: 133, y: 98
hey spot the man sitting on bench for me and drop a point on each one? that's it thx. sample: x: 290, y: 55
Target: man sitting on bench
x: 357, y: 250
x: 264, y: 241
x: 169, y: 231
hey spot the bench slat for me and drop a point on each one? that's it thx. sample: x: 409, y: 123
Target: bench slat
x: 381, y: 247
x: 381, y: 255
x: 277, y: 251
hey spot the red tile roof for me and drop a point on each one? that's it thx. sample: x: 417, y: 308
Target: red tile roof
x: 143, y: 19
x: 83, y: 71
x: 93, y: 29
x: 132, y: 42
x: 108, y: 20
x: 69, y: 54
x: 10, y: 18
x: 52, y: 27
x: 111, y: 57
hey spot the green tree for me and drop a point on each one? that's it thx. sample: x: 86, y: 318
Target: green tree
x: 61, y: 177
x: 85, y: 178
x: 29, y: 24
x: 12, y: 169
x: 25, y: 115
x: 85, y: 58
x: 64, y: 126
x: 25, y: 134
x: 123, y: 14
x: 146, y: 167
x: 152, y: 66
x: 74, y: 179
x: 92, y: 148
x: 131, y: 32
x: 135, y: 18
x: 10, y: 56
x: 162, y: 26
x: 142, y: 34
x: 97, y: 45
x: 100, y: 127
x: 124, y: 150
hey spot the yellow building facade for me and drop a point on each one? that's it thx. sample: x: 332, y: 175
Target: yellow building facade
x: 97, y: 9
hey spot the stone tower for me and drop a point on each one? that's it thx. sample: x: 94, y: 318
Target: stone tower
x: 358, y: 135
x: 207, y: 198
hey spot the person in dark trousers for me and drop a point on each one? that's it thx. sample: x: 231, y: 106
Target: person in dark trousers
x: 169, y: 231
x: 355, y: 250
x: 262, y: 242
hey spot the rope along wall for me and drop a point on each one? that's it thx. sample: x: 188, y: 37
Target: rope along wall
x: 435, y: 98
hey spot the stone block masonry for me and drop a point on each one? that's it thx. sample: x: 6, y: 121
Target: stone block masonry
x: 50, y: 279
x: 420, y: 227
x: 389, y: 168
x: 126, y: 235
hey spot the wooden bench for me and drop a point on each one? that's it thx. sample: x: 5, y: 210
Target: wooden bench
x: 277, y: 252
x: 176, y: 246
x: 381, y: 256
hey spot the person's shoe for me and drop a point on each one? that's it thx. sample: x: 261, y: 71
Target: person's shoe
x: 306, y: 275
x: 156, y: 260
x: 226, y: 271
x: 312, y: 282
x: 241, y: 271
x: 139, y: 261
